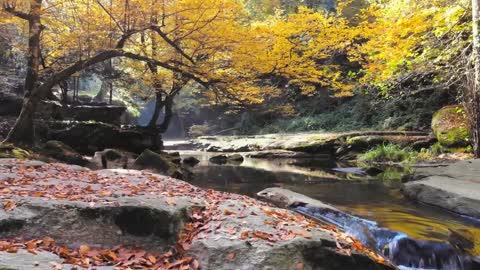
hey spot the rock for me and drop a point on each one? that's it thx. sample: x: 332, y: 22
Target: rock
x: 314, y: 144
x: 213, y: 148
x: 191, y: 161
x: 428, y: 255
x: 23, y: 260
x: 109, y: 114
x: 454, y: 187
x: 223, y: 159
x: 219, y: 159
x: 280, y: 154
x: 63, y: 152
x: 90, y: 137
x: 235, y: 158
x: 242, y: 232
x: 450, y: 126
x: 286, y: 198
x: 162, y: 163
x: 114, y: 159
x: 156, y: 162
x: 175, y: 157
x: 354, y: 170
x: 10, y: 104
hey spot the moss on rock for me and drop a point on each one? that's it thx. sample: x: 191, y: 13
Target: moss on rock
x: 450, y: 126
x: 10, y: 151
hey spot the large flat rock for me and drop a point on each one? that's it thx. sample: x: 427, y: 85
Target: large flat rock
x: 114, y: 210
x: 455, y: 187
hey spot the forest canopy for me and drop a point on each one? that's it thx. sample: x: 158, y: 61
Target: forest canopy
x: 241, y: 53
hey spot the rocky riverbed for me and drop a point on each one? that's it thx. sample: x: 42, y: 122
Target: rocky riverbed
x: 64, y: 214
x: 340, y: 145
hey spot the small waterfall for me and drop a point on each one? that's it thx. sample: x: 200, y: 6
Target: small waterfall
x: 399, y: 248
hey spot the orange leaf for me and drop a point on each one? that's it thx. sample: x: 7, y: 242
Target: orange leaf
x: 152, y: 259
x: 83, y: 250
x: 244, y: 235
x: 9, y: 205
x: 229, y: 212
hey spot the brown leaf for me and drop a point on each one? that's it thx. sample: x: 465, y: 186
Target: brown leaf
x: 244, y: 235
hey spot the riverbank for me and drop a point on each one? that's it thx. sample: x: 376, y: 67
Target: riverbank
x: 60, y: 211
x: 455, y: 187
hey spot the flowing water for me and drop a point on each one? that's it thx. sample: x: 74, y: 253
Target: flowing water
x: 375, y: 198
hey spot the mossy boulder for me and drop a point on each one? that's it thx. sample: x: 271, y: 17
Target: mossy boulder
x: 450, y: 126
x: 162, y: 163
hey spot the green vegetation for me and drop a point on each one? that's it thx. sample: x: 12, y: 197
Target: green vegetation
x: 389, y: 153
x: 10, y: 151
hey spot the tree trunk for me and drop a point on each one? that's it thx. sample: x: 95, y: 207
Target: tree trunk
x: 33, y: 56
x: 475, y: 117
x: 168, y: 115
x: 156, y: 113
x: 23, y: 130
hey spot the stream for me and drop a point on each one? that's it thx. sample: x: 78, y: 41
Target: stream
x: 374, y: 198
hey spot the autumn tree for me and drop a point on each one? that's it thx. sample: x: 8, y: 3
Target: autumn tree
x: 55, y: 25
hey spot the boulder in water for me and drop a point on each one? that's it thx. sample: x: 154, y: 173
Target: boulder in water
x: 191, y: 161
x: 114, y: 159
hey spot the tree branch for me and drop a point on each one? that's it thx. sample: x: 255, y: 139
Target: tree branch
x: 171, y: 43
x: 11, y: 8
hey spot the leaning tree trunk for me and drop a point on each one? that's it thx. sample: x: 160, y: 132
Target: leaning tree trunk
x: 475, y: 95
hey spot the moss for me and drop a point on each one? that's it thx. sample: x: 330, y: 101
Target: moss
x: 450, y: 126
x: 10, y: 151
